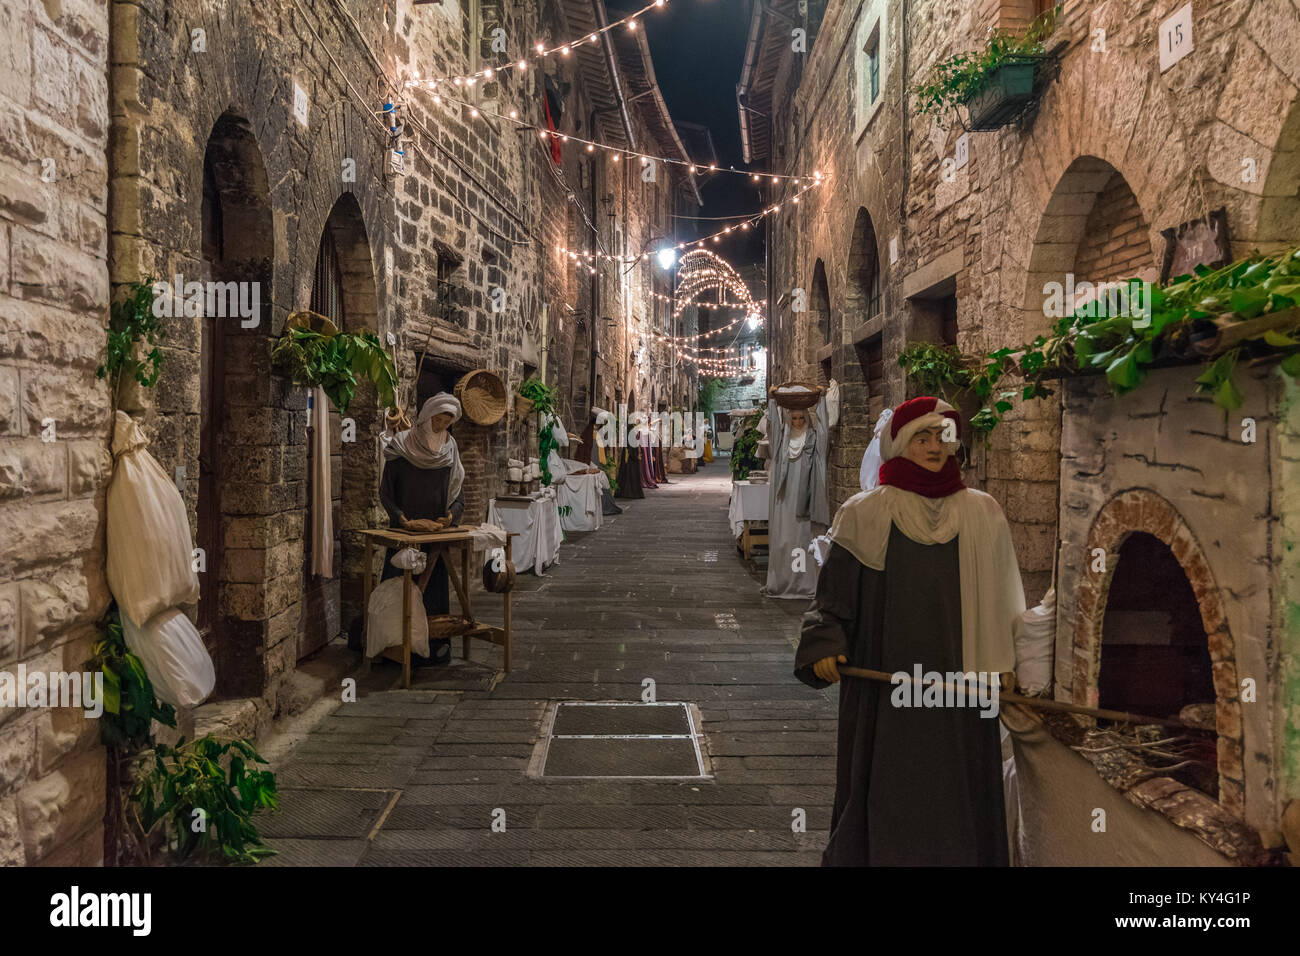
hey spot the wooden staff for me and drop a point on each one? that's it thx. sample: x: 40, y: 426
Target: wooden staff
x: 1041, y: 703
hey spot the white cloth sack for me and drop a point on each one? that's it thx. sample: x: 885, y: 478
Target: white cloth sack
x: 384, y: 629
x: 1034, y: 646
x: 172, y: 652
x: 410, y: 559
x: 149, y: 545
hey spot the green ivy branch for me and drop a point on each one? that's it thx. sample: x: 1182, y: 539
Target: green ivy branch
x: 131, y: 321
x: 203, y: 811
x: 1247, y: 309
x: 206, y: 811
x: 744, y: 455
x: 544, y: 399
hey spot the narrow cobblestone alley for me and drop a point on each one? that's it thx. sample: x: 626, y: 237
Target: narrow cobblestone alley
x: 415, y: 777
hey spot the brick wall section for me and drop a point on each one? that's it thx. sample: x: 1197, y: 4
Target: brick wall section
x: 53, y: 290
x: 1115, y: 243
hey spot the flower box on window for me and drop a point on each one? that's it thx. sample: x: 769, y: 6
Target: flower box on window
x: 1003, y: 97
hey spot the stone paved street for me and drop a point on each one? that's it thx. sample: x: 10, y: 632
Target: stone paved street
x: 414, y: 777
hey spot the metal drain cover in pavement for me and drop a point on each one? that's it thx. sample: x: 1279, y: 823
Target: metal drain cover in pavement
x: 645, y: 741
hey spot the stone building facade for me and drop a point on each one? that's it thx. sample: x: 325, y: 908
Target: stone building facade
x: 251, y: 143
x: 931, y: 233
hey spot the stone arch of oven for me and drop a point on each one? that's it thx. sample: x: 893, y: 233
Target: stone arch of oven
x: 1141, y: 509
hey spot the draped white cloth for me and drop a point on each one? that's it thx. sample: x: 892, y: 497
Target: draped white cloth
x: 322, y: 500
x: 537, y: 524
x: 992, y: 595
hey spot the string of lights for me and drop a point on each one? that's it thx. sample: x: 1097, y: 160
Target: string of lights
x: 616, y: 152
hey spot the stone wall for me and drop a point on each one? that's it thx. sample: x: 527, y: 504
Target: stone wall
x: 1035, y: 200
x: 177, y: 151
x: 54, y: 416
x: 1113, y: 152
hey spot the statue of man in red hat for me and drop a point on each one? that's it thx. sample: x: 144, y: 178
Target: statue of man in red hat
x: 921, y: 578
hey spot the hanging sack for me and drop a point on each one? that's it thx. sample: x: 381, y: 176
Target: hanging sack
x: 384, y: 629
x: 172, y: 652
x: 1034, y: 645
x: 149, y: 546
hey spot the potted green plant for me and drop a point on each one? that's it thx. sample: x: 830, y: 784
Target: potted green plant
x: 995, y: 84
x: 311, y: 352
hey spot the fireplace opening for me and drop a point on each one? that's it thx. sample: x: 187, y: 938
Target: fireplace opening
x: 1155, y: 657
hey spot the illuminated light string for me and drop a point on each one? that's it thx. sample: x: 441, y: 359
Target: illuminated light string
x: 541, y: 51
x: 701, y: 305
x: 698, y: 243
x: 804, y: 181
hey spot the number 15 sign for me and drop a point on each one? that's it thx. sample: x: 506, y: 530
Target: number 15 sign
x: 1176, y: 37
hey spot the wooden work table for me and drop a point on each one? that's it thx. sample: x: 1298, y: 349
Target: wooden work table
x: 442, y: 543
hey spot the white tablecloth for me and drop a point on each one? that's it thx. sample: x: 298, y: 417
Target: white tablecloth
x: 537, y: 523
x: 581, y: 494
x: 748, y: 503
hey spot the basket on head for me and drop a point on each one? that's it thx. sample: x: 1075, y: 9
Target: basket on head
x: 796, y: 401
x: 482, y: 396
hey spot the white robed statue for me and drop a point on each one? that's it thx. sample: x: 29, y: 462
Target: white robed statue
x: 798, y: 503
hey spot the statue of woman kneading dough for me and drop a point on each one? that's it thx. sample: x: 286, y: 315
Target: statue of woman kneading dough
x: 421, y: 489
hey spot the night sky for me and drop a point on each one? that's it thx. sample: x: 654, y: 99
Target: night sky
x: 698, y: 48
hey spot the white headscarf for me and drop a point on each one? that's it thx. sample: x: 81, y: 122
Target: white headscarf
x: 425, y: 448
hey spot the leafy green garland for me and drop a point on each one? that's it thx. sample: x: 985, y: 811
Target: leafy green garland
x: 961, y: 77
x: 335, y: 363
x: 1125, y: 348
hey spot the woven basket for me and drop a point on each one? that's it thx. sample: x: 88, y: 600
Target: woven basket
x: 482, y: 396
x: 796, y: 401
x: 447, y: 625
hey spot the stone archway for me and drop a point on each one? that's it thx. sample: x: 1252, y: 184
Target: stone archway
x: 1279, y: 212
x: 1140, y: 509
x: 344, y: 290
x: 236, y: 450
x: 1092, y: 222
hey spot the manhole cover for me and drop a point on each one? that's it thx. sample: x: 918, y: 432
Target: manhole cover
x: 646, y: 741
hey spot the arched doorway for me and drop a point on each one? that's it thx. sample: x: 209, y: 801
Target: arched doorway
x: 343, y: 290
x: 1092, y: 230
x: 237, y: 246
x: 862, y: 377
x: 819, y: 322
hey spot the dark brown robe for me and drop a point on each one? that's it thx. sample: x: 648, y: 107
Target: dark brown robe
x: 915, y: 786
